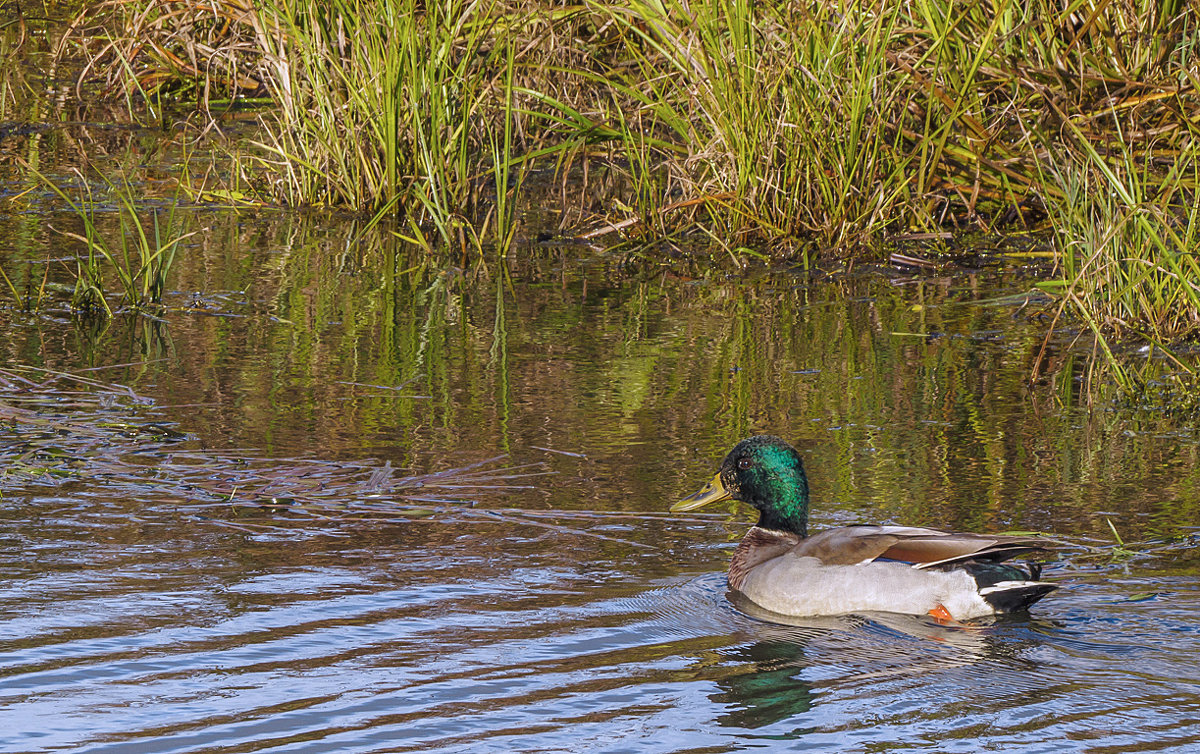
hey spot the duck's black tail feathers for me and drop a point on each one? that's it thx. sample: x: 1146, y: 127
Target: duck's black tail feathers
x: 1011, y: 596
x: 1006, y: 587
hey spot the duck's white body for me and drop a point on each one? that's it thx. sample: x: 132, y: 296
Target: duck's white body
x: 792, y: 585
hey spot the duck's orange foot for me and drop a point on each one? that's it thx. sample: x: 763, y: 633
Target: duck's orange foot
x: 941, y: 615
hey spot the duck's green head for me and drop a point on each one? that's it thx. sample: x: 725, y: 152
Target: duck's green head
x: 765, y: 472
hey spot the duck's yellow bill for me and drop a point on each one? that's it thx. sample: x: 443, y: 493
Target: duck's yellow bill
x: 713, y: 492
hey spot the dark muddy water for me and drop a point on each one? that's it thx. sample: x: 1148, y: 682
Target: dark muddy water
x: 219, y: 532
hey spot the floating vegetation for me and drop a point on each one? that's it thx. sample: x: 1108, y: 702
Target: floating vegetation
x: 1083, y: 553
x: 47, y: 442
x: 63, y: 425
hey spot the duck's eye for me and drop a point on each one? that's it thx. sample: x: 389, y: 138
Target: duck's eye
x: 744, y: 463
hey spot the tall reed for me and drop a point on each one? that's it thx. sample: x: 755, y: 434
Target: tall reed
x: 1127, y: 241
x: 379, y: 104
x: 769, y: 120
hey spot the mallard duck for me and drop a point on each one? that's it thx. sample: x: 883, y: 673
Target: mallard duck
x: 851, y: 569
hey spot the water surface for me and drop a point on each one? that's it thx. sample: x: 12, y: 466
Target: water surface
x: 217, y: 533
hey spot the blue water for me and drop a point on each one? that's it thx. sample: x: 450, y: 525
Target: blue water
x: 275, y: 573
x: 356, y: 651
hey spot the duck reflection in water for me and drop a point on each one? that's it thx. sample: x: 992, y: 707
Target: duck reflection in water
x: 768, y: 690
x: 769, y: 684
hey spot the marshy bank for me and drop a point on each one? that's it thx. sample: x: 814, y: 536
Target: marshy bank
x: 349, y: 421
x: 790, y: 134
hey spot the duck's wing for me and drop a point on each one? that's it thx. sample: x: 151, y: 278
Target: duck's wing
x: 924, y: 548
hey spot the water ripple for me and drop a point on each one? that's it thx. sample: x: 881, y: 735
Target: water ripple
x: 548, y: 657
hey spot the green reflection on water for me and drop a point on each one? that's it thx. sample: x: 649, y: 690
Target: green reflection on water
x: 910, y: 397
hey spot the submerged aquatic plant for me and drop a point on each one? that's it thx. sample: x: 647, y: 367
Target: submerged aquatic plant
x: 139, y: 260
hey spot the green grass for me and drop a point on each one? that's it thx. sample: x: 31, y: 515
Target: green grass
x: 137, y: 262
x: 380, y: 106
x: 774, y: 118
x: 1127, y: 244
